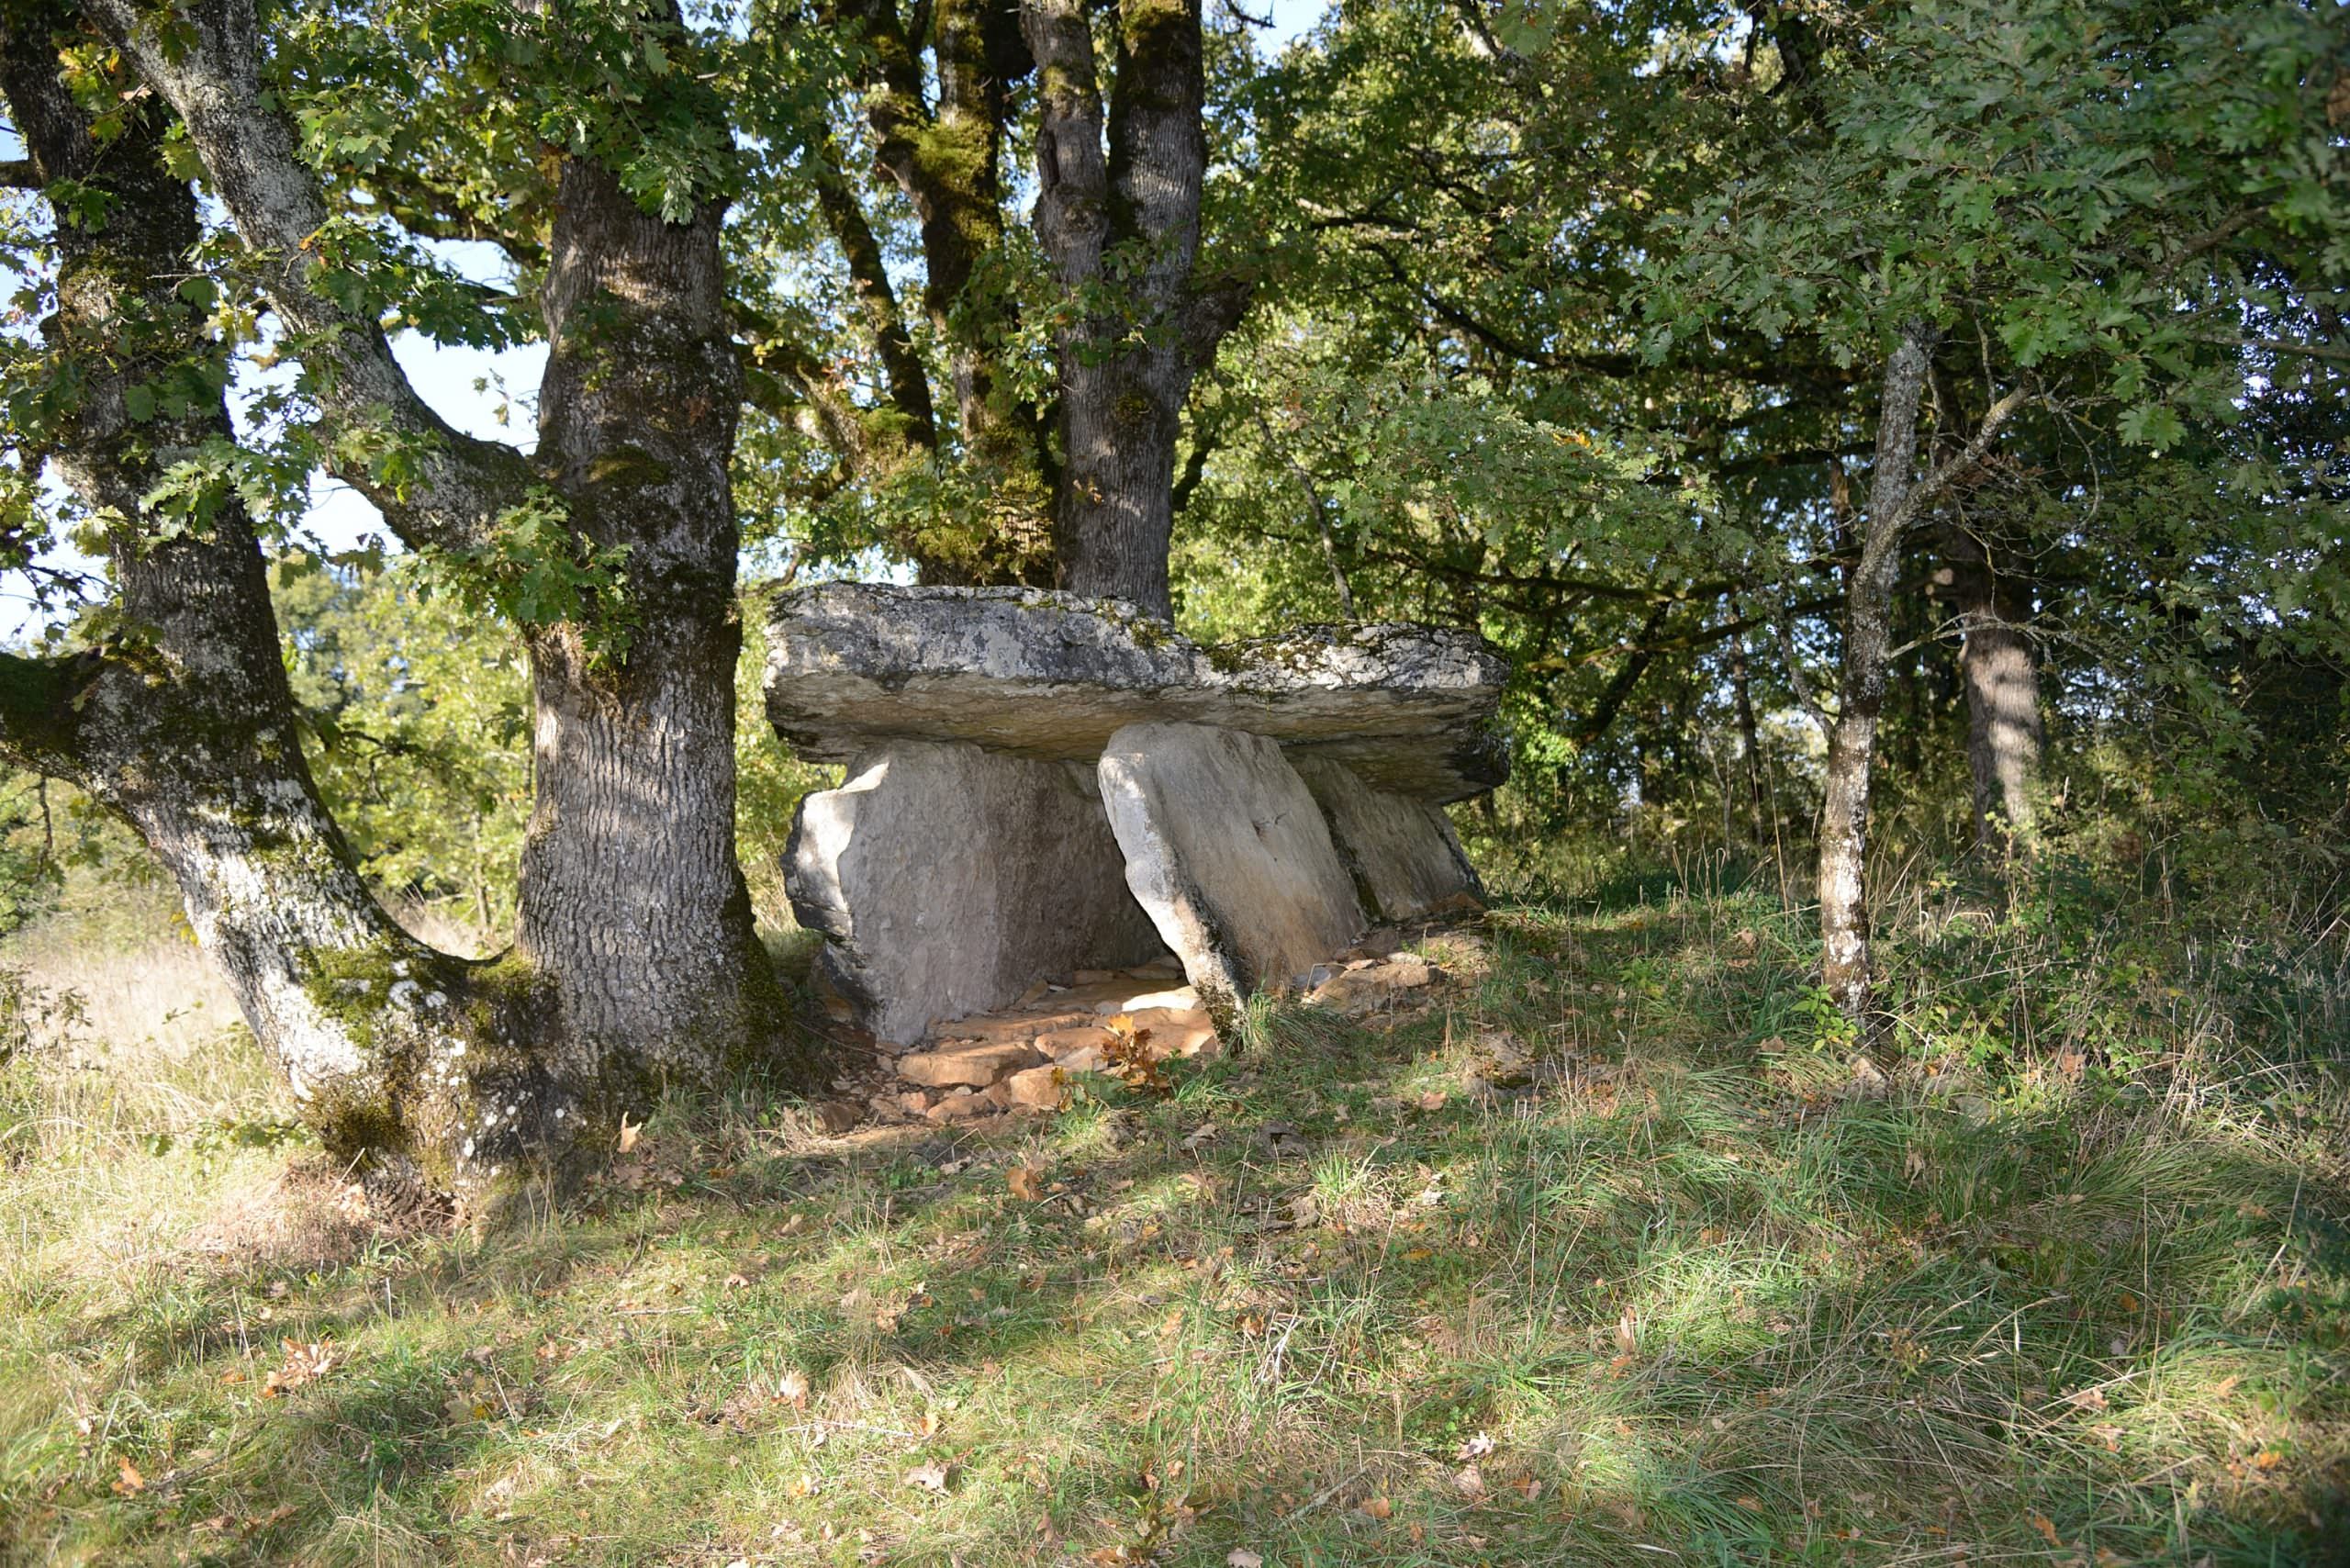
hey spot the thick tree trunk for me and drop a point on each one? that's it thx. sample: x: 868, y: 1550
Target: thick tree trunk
x: 636, y: 964
x: 632, y: 901
x: 402, y: 1059
x: 1126, y: 363
x: 2001, y: 672
x: 1851, y: 739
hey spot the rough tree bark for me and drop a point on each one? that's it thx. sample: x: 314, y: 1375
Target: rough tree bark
x: 1851, y: 740
x: 399, y: 1056
x: 944, y: 153
x: 2000, y: 671
x: 634, y: 943
x: 1120, y: 222
x: 1896, y: 499
x: 631, y: 900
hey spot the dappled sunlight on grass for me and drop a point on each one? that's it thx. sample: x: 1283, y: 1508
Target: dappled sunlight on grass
x: 1593, y: 1255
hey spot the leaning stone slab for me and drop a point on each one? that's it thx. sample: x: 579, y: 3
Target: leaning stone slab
x: 1405, y: 857
x: 1410, y: 709
x: 1226, y: 849
x: 946, y: 880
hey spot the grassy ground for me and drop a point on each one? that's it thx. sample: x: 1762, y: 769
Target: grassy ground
x: 1605, y: 1254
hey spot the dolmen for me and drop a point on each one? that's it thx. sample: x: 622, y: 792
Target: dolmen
x: 1039, y: 784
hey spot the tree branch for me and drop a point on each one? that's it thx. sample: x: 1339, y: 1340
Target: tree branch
x: 453, y: 486
x: 869, y: 278
x: 1619, y: 686
x: 41, y: 711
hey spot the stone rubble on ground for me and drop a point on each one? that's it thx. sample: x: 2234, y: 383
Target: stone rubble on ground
x: 1025, y: 1058
x: 1365, y: 987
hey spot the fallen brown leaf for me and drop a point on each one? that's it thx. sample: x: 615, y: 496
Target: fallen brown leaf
x: 304, y: 1364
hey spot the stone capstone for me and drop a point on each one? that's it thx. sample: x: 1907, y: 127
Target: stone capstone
x: 1052, y: 675
x: 1405, y: 861
x: 948, y: 879
x: 1227, y: 851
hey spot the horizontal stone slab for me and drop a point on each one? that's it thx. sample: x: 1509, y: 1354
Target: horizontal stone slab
x: 851, y: 665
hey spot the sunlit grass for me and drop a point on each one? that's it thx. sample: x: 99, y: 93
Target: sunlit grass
x: 1598, y: 1252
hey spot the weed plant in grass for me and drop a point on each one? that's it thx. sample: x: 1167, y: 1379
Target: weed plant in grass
x: 1607, y: 1254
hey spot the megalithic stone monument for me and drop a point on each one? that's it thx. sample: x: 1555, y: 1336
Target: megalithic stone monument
x: 1040, y: 783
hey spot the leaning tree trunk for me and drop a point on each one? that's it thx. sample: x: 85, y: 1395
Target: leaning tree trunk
x: 1852, y: 738
x: 634, y: 940
x: 2001, y: 672
x: 404, y: 1060
x: 1126, y: 363
x: 631, y: 900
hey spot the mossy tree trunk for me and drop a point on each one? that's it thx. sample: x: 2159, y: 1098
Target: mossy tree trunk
x: 938, y: 136
x: 631, y: 900
x: 1080, y: 487
x: 401, y: 1057
x: 636, y: 965
x: 1118, y: 215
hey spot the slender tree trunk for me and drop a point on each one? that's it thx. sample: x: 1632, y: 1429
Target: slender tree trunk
x: 1750, y: 737
x: 1851, y: 739
x: 2001, y: 673
x: 1128, y: 360
x: 401, y: 1059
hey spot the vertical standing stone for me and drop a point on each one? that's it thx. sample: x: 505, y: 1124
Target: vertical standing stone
x: 1405, y: 861
x: 1226, y: 849
x: 947, y: 879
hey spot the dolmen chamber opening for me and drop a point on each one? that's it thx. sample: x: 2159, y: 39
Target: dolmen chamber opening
x: 1040, y: 785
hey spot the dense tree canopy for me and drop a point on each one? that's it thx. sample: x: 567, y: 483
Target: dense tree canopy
x: 1926, y: 415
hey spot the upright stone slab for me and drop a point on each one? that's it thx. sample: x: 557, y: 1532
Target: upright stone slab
x: 1405, y: 861
x: 947, y: 879
x: 1226, y: 849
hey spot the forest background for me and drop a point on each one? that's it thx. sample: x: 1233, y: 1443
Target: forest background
x: 1899, y: 450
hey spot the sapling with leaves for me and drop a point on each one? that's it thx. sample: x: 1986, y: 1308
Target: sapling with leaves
x: 2067, y: 211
